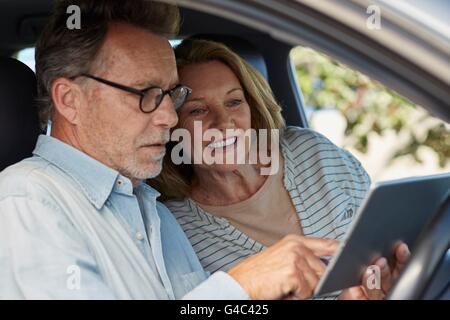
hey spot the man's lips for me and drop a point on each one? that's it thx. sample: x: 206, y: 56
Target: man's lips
x: 155, y: 145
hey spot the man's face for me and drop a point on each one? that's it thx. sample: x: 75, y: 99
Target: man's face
x: 112, y: 127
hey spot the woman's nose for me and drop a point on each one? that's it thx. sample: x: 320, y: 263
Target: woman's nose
x: 223, y: 120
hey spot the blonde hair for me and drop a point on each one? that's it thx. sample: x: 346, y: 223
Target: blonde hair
x: 174, y: 182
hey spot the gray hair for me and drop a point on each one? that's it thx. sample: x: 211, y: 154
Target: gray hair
x: 64, y: 52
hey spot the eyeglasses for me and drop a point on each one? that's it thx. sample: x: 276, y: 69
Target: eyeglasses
x: 151, y: 97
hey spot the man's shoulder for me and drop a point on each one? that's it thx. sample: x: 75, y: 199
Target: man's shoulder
x: 29, y: 190
x: 26, y: 177
x: 18, y: 176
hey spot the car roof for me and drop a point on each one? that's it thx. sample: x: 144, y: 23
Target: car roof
x: 414, y: 61
x: 30, y: 17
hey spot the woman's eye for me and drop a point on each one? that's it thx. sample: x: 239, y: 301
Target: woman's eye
x: 197, y: 111
x: 234, y: 102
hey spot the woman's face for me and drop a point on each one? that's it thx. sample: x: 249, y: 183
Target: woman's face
x: 218, y: 102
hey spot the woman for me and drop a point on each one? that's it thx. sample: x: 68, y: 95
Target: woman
x: 231, y: 211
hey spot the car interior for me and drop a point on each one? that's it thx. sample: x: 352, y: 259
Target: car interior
x: 20, y: 25
x: 269, y: 56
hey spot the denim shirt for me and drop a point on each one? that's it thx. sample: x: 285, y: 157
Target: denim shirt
x: 73, y: 228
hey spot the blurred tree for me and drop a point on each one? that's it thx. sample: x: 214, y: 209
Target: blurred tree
x: 368, y: 106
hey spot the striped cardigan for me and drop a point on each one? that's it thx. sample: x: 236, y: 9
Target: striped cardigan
x: 326, y: 185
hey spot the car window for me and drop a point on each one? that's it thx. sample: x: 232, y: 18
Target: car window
x: 391, y: 136
x: 26, y: 56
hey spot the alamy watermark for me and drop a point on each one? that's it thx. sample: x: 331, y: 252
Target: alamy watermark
x: 74, y: 20
x: 73, y: 281
x: 373, y: 22
x: 373, y: 281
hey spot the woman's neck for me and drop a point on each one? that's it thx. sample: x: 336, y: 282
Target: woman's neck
x: 218, y: 188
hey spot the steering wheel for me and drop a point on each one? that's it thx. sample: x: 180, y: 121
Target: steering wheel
x: 432, y: 246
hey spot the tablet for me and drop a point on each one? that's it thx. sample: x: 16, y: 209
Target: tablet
x: 392, y: 211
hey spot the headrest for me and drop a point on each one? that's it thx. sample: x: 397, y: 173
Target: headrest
x: 242, y: 47
x: 19, y: 123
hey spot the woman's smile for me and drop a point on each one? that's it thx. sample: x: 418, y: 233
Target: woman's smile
x: 223, y: 146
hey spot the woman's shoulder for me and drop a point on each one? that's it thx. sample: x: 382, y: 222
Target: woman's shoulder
x: 302, y: 145
x: 292, y: 136
x: 299, y: 144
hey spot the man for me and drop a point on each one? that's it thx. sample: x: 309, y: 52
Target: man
x: 76, y: 220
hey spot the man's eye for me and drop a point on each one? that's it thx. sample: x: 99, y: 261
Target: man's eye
x: 234, y: 102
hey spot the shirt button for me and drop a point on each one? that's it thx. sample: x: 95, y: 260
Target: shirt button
x: 139, y: 236
x: 119, y: 182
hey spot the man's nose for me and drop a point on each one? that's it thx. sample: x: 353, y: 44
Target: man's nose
x: 165, y: 115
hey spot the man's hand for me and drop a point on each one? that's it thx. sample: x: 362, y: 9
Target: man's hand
x: 388, y: 276
x: 291, y: 268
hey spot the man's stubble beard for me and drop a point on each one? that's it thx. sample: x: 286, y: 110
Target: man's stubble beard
x: 116, y: 153
x: 152, y: 168
x: 133, y: 170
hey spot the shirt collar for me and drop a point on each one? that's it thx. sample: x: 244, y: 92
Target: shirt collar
x: 144, y: 187
x: 95, y: 179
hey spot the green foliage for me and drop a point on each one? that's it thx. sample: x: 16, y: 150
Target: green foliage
x: 368, y: 106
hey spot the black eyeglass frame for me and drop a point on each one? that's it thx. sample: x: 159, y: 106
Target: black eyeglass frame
x: 141, y: 92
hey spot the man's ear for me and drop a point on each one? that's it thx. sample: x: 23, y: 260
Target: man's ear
x: 67, y: 98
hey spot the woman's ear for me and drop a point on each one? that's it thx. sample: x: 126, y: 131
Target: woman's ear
x: 67, y: 98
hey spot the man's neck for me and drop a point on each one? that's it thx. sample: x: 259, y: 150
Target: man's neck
x: 68, y: 136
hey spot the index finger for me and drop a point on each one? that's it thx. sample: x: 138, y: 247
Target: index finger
x: 321, y: 246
